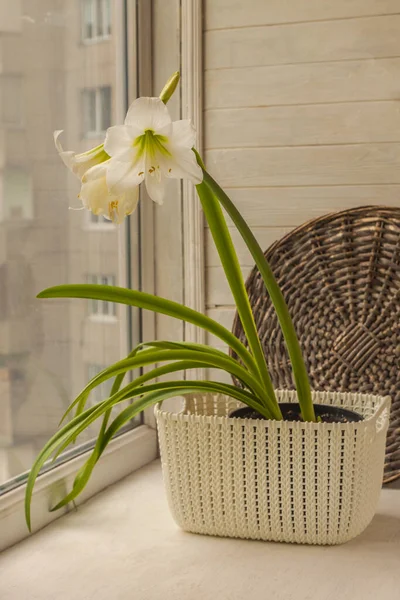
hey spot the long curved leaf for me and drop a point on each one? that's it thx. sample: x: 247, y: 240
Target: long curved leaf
x: 155, y: 304
x: 146, y: 357
x: 81, y: 422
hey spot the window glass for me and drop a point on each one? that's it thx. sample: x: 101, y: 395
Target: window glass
x: 49, y: 348
x: 88, y: 31
x: 11, y: 100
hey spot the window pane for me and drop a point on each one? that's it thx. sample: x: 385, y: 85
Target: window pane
x: 88, y: 19
x: 105, y: 107
x: 89, y: 111
x: 11, y: 100
x: 107, y: 16
x: 100, y: 18
x: 49, y: 348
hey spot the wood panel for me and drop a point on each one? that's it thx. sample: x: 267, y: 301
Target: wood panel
x: 218, y: 291
x: 370, y: 37
x: 353, y: 80
x: 224, y: 316
x: 312, y: 165
x: 221, y: 14
x: 265, y: 237
x: 358, y: 122
x: 292, y: 206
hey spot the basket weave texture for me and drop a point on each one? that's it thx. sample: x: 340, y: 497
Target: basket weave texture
x: 310, y: 483
x: 340, y: 276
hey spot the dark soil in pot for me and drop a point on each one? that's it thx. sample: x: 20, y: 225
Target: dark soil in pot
x: 325, y: 413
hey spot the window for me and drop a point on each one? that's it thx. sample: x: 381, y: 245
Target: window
x: 49, y: 349
x: 96, y: 19
x: 11, y: 101
x: 96, y: 111
x: 16, y: 195
x: 99, y: 307
x: 97, y: 221
x: 102, y: 391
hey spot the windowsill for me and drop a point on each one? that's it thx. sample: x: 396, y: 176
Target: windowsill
x: 124, y: 544
x: 108, y: 319
x: 96, y: 40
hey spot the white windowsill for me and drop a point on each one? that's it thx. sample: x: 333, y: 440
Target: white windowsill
x: 125, y: 454
x: 124, y: 544
x: 99, y: 318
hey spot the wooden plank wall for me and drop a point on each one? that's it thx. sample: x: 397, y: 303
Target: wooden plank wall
x: 302, y: 114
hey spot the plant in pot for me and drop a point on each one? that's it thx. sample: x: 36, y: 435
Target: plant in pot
x: 297, y: 466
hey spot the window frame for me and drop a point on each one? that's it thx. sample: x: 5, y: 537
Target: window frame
x: 135, y: 448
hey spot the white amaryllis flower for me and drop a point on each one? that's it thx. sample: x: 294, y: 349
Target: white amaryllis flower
x: 80, y: 163
x: 96, y: 197
x: 150, y: 147
x: 90, y: 167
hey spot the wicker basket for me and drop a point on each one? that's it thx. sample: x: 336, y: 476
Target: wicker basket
x: 340, y: 275
x: 309, y: 483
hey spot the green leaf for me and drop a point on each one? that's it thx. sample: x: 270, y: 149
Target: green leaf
x: 204, y: 359
x: 155, y: 304
x: 223, y: 242
x: 83, y: 421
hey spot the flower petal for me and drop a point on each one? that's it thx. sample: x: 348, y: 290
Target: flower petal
x: 119, y: 143
x: 149, y: 113
x: 155, y: 186
x: 184, y: 165
x: 96, y: 171
x: 183, y: 134
x: 128, y: 203
x: 67, y: 156
x: 94, y: 196
x: 123, y: 176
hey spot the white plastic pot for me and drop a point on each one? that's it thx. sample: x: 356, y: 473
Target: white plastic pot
x: 308, y: 483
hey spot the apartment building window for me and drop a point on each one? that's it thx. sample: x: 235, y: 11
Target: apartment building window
x: 11, y: 100
x: 100, y: 308
x: 96, y: 19
x: 96, y: 111
x: 16, y: 194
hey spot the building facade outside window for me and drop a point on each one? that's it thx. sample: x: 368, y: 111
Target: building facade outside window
x: 49, y: 80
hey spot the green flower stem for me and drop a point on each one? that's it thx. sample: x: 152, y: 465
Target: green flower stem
x: 230, y: 263
x: 299, y: 369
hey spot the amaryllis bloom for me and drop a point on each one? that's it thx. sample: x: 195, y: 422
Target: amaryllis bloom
x: 80, y: 163
x: 90, y: 167
x: 96, y: 197
x: 150, y: 147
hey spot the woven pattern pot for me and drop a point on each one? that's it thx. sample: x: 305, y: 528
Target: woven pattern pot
x: 340, y: 275
x: 310, y: 483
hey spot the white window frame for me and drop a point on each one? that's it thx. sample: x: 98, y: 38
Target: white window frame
x: 138, y: 446
x: 106, y: 21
